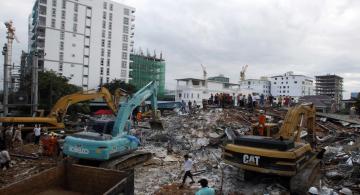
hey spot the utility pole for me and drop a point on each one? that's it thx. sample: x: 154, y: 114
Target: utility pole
x: 6, y: 80
x: 34, y: 83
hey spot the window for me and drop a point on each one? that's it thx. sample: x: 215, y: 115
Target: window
x: 62, y: 35
x: 123, y: 64
x: 73, y: 55
x: 108, y: 71
x: 295, y: 82
x: 126, y: 20
x: 109, y: 35
x: 61, y: 56
x: 303, y: 82
x: 108, y: 62
x: 286, y: 82
x: 274, y: 83
x: 60, y: 66
x: 105, y: 5
x: 109, y: 44
x: 111, y: 7
x: 76, y: 7
x: 53, y: 22
x: 75, y: 27
x: 107, y: 79
x: 110, y: 25
x: 102, y: 52
x: 74, y: 35
x: 124, y: 55
x: 103, y: 24
x: 125, y: 38
x: 102, y: 61
x: 73, y: 44
x: 63, y: 25
x: 63, y: 14
x: 103, y: 33
x: 109, y: 53
x: 126, y: 11
x: 123, y: 73
x: 126, y: 29
x: 110, y: 16
x: 61, y: 45
x: 104, y: 15
x: 75, y: 17
x: 282, y: 78
x: 101, y: 80
x: 124, y: 46
x: 101, y: 70
x: 73, y: 65
x: 54, y: 3
x: 63, y: 4
x: 179, y: 95
x: 287, y: 78
x: 102, y: 43
x: 275, y: 78
x: 53, y: 12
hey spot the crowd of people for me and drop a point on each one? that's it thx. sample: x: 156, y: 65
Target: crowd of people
x: 251, y: 100
x: 189, y: 106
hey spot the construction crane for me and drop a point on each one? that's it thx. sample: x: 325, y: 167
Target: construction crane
x: 284, y: 154
x: 242, y: 72
x: 7, y: 52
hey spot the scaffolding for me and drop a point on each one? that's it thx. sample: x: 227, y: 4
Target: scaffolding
x: 145, y: 69
x: 330, y: 85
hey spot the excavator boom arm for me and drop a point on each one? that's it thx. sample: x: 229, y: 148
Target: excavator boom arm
x: 126, y: 109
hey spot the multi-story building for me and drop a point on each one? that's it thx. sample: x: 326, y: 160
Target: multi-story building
x: 258, y: 86
x: 330, y: 85
x: 190, y: 89
x: 146, y: 68
x: 86, y: 40
x: 292, y: 85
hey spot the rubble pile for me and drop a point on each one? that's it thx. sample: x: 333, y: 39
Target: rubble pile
x: 199, y: 134
x: 25, y: 162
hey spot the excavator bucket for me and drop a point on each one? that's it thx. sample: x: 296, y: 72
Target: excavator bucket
x: 156, y: 125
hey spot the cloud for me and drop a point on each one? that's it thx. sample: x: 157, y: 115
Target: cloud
x: 304, y: 36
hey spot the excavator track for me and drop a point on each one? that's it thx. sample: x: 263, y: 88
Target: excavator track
x: 300, y: 183
x: 127, y: 161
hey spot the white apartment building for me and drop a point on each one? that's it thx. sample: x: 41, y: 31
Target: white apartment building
x: 290, y: 84
x: 88, y: 41
x: 259, y: 86
x: 190, y: 89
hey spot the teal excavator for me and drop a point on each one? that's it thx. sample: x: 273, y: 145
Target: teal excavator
x: 109, y: 142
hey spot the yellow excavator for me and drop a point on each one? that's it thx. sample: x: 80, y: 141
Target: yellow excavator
x: 55, y: 119
x: 283, y: 154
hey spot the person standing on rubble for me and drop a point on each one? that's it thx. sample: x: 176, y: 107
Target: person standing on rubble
x: 8, y: 137
x: 250, y: 101
x: 189, y: 105
x: 279, y: 101
x: 183, y: 106
x: 205, y: 190
x: 262, y: 121
x: 17, y: 140
x: 262, y: 100
x: 188, y: 163
x: 211, y: 99
x: 37, y: 132
x: 5, y: 159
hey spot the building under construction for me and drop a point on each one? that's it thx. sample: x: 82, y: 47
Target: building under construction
x: 146, y: 68
x: 330, y: 85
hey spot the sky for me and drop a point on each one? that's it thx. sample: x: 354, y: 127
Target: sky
x: 271, y: 36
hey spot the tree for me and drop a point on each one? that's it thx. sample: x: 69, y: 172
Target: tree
x: 51, y: 87
x: 116, y: 83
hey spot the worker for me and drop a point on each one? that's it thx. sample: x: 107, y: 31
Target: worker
x: 8, y: 137
x: 313, y: 191
x: 195, y: 105
x: 189, y: 106
x: 16, y: 139
x: 37, y: 132
x: 345, y: 191
x: 188, y: 163
x: 138, y: 116
x: 279, y: 101
x: 262, y: 121
x: 205, y: 190
x: 5, y: 160
x: 262, y: 100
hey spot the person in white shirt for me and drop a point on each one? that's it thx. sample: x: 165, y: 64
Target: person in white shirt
x: 188, y: 163
x: 5, y: 159
x: 37, y: 132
